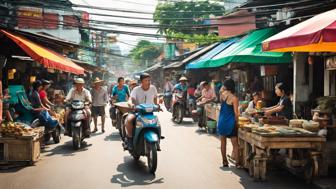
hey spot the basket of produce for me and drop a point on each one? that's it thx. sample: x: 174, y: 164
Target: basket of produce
x: 243, y: 121
x: 15, y: 129
x: 311, y: 126
x: 123, y: 107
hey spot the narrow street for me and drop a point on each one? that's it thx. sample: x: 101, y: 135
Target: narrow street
x: 189, y: 159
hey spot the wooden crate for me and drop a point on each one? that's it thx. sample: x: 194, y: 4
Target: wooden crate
x: 20, y: 149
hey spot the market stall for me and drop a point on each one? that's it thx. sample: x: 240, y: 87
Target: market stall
x: 293, y: 146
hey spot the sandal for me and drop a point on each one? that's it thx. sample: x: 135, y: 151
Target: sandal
x: 95, y: 130
x: 225, y: 163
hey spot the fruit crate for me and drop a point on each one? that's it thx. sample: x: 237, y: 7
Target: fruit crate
x: 23, y: 149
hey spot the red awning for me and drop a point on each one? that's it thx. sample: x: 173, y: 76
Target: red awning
x: 46, y: 57
x: 317, y: 34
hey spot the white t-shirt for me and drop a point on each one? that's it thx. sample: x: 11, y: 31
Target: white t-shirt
x: 144, y: 97
x: 84, y: 95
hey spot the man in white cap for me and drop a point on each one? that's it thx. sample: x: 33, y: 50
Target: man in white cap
x: 79, y: 93
x: 99, y: 101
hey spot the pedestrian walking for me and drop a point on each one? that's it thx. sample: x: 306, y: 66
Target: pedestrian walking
x: 99, y: 101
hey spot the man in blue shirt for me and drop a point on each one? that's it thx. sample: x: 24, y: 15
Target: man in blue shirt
x: 182, y: 86
x: 120, y: 93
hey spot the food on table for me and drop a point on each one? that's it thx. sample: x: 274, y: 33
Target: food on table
x: 15, y: 129
x: 311, y: 126
x: 296, y: 123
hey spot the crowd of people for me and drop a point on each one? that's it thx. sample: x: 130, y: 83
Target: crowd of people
x: 205, y: 92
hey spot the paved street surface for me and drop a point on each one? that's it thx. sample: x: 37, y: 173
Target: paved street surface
x: 189, y: 159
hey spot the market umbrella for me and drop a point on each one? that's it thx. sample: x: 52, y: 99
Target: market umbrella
x: 317, y: 34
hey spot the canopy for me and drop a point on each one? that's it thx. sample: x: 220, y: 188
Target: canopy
x: 248, y: 50
x: 317, y: 34
x: 48, y: 58
x: 204, y: 61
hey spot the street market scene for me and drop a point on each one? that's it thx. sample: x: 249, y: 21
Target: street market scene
x: 168, y: 94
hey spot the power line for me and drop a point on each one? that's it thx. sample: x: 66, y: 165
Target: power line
x: 141, y: 34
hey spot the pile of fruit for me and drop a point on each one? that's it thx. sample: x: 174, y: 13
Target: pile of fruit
x: 14, y: 129
x: 60, y: 116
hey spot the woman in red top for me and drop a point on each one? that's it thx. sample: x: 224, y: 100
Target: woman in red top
x: 43, y: 94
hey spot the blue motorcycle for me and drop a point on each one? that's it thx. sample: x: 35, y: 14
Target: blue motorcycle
x: 146, y: 135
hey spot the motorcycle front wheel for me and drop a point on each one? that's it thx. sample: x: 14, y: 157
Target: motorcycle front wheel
x: 178, y: 114
x: 152, y: 157
x: 56, y: 135
x: 76, y: 137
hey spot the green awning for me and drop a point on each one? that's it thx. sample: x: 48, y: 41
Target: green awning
x: 248, y: 50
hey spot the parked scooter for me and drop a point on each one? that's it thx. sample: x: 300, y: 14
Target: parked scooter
x: 146, y: 135
x: 77, y: 124
x: 51, y: 129
x: 182, y: 107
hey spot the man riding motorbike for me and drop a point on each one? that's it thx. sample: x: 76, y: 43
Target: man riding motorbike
x: 81, y: 94
x: 182, y: 86
x: 143, y: 94
x: 120, y: 93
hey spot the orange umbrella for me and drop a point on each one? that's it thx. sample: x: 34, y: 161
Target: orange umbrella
x: 48, y: 58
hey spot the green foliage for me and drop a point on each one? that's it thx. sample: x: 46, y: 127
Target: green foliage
x: 197, y: 38
x: 185, y: 9
x: 145, y: 51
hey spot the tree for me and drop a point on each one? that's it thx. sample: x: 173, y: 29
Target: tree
x: 145, y: 51
x: 183, y: 11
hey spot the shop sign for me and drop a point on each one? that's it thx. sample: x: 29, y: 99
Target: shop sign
x: 268, y: 70
x: 330, y: 63
x: 30, y: 12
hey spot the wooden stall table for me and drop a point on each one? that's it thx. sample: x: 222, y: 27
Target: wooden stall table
x: 304, y: 154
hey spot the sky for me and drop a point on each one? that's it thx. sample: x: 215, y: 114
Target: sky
x: 138, y: 5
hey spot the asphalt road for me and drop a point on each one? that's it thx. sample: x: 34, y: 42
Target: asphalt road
x: 189, y: 159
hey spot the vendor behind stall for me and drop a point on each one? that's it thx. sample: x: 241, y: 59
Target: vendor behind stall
x: 284, y: 107
x: 252, y: 106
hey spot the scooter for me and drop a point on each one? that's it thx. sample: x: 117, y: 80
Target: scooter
x: 146, y: 135
x: 182, y: 107
x: 121, y: 109
x: 167, y: 98
x: 77, y: 124
x: 49, y: 131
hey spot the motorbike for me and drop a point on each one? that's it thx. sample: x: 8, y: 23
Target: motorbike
x: 167, y: 97
x: 121, y: 109
x: 201, y: 115
x: 146, y: 135
x: 53, y: 132
x: 183, y: 106
x: 77, y: 124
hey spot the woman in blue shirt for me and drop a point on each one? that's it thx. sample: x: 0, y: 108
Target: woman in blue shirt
x: 120, y: 93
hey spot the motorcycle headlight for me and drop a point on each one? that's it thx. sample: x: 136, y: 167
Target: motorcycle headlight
x: 78, y: 106
x: 78, y: 116
x: 150, y: 121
